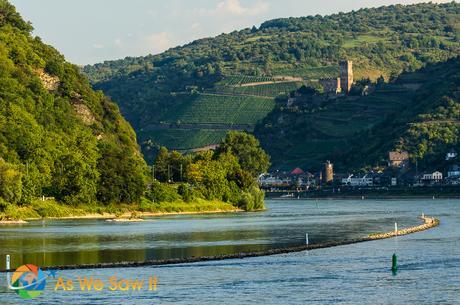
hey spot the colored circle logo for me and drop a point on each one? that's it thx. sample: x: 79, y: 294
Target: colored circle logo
x: 29, y: 281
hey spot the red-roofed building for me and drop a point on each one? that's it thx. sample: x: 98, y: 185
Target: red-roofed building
x: 297, y: 171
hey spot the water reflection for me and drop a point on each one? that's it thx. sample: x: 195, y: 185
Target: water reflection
x: 70, y: 242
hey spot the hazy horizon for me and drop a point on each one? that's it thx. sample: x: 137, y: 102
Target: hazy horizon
x: 91, y: 31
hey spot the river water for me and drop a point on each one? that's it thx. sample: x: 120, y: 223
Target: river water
x: 429, y: 261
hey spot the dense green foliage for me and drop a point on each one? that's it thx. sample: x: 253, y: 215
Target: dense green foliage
x: 427, y: 127
x: 227, y: 174
x: 58, y: 137
x: 380, y: 41
x: 61, y: 139
x: 246, y: 149
x: 417, y: 112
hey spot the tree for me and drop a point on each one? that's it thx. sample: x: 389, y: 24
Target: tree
x: 75, y: 179
x: 308, y: 91
x: 170, y: 166
x: 10, y: 182
x: 246, y: 148
x: 161, y: 164
x: 122, y: 176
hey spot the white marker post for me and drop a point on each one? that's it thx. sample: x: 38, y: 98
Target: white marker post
x: 396, y: 228
x: 8, y: 266
x: 306, y: 239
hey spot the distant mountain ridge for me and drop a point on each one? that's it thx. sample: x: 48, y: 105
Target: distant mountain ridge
x: 200, y: 83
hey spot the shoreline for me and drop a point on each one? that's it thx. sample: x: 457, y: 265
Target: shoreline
x: 127, y: 216
x: 428, y: 223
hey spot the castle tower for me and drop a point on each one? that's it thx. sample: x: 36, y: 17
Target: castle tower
x: 346, y: 75
x: 328, y: 172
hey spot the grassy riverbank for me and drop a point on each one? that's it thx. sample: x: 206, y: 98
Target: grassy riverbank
x: 51, y: 209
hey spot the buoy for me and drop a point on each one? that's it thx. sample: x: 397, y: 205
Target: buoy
x: 394, y: 263
x: 306, y: 239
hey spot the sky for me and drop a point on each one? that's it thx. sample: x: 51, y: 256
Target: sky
x: 91, y: 31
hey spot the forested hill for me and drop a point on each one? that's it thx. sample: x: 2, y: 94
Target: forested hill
x: 189, y: 96
x: 418, y: 112
x: 58, y: 137
x: 428, y: 126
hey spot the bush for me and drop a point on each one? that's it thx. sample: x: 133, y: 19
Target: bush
x: 54, y: 67
x: 51, y: 208
x: 246, y: 202
x: 186, y: 192
x: 253, y: 200
x: 161, y: 192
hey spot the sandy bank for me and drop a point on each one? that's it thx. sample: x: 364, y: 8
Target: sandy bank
x: 12, y: 222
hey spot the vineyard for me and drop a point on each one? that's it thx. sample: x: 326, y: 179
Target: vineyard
x: 223, y: 109
x: 237, y: 80
x: 184, y: 139
x: 267, y: 90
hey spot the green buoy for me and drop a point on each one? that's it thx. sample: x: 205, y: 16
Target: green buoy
x: 394, y: 264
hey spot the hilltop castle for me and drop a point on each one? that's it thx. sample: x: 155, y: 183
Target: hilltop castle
x: 342, y: 83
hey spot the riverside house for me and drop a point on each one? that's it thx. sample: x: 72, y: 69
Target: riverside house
x: 398, y: 158
x: 430, y: 178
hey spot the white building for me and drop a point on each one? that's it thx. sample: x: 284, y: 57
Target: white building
x: 394, y: 181
x: 454, y: 170
x: 452, y: 154
x: 358, y: 181
x: 435, y: 176
x: 273, y: 181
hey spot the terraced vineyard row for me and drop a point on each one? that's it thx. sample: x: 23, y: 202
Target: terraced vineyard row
x: 268, y: 90
x: 236, y: 80
x: 223, y: 109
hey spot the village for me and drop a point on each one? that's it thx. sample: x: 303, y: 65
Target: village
x: 398, y: 173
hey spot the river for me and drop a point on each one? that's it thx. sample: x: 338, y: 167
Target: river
x: 355, y: 274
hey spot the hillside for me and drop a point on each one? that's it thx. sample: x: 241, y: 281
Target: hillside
x: 189, y: 96
x: 58, y: 137
x: 167, y: 97
x: 417, y: 112
x: 427, y: 127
